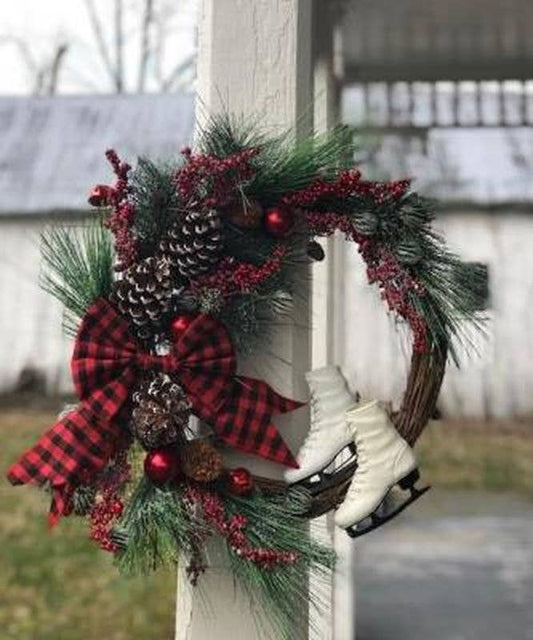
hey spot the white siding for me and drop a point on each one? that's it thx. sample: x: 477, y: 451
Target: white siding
x: 30, y: 320
x: 496, y: 378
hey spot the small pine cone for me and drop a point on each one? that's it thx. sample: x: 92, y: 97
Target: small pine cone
x: 366, y: 223
x: 161, y: 412
x: 211, y: 302
x: 245, y: 215
x: 409, y: 252
x: 194, y: 243
x: 119, y: 537
x: 83, y: 500
x: 200, y: 461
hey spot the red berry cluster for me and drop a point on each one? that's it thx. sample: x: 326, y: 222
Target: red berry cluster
x: 325, y: 224
x: 383, y: 192
x: 107, y: 509
x: 396, y: 283
x: 121, y: 220
x: 397, y: 287
x: 347, y: 184
x: 232, y: 529
x: 239, y: 277
x: 212, y: 181
x: 109, y: 505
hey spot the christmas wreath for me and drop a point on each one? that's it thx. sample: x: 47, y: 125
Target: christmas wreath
x: 186, y: 268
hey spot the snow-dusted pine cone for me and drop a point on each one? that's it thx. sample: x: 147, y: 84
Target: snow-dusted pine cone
x: 143, y: 295
x: 161, y: 412
x: 194, y: 242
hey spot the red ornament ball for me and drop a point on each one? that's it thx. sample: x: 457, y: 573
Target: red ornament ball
x: 100, y: 195
x: 161, y: 465
x: 240, y: 481
x: 180, y: 324
x: 278, y: 222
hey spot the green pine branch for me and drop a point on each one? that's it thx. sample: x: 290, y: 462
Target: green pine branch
x: 276, y: 523
x: 156, y: 202
x: 284, y: 163
x: 156, y: 526
x: 77, y: 268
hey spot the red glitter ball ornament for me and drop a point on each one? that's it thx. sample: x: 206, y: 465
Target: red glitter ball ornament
x: 180, y: 324
x: 100, y: 195
x: 161, y: 465
x: 240, y: 481
x: 278, y: 222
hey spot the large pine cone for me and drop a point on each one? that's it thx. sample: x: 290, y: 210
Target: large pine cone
x: 194, y: 242
x: 161, y: 412
x: 144, y: 293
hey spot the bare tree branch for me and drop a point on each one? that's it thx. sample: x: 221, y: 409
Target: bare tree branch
x: 119, y: 47
x: 155, y: 29
x: 98, y: 32
x: 144, y: 56
x: 179, y: 70
x: 23, y: 49
x: 55, y: 67
x: 44, y: 74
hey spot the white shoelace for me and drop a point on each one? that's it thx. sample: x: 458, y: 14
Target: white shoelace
x: 313, y: 432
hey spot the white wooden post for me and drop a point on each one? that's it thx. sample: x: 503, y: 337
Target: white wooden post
x: 328, y: 327
x: 254, y: 59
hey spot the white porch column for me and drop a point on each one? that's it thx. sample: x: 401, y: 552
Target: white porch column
x: 254, y: 59
x: 328, y: 328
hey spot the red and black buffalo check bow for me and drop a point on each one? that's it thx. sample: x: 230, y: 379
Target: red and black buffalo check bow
x: 106, y: 366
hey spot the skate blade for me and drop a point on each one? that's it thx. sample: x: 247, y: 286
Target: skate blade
x: 381, y: 515
x: 323, y: 480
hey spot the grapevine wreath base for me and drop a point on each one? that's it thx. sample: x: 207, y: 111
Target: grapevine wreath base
x: 186, y: 268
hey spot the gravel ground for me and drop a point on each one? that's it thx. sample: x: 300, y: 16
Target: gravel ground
x: 457, y: 566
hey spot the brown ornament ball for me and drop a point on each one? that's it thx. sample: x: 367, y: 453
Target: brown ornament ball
x: 240, y: 481
x: 200, y: 461
x: 245, y: 214
x: 278, y: 222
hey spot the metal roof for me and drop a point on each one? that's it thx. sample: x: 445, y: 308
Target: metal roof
x: 431, y: 40
x: 52, y: 149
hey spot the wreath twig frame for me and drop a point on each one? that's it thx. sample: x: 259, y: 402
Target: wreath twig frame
x: 186, y: 268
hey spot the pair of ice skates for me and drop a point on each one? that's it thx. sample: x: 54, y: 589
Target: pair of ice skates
x: 381, y: 458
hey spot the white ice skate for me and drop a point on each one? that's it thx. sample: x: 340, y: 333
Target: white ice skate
x: 384, y: 459
x: 329, y: 433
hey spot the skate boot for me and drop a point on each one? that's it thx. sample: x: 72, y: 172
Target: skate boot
x: 329, y: 433
x: 384, y: 459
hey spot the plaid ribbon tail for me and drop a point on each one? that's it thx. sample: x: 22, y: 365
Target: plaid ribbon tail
x: 76, y: 448
x: 244, y: 421
x: 61, y: 504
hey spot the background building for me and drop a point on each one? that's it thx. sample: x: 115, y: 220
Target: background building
x: 51, y: 154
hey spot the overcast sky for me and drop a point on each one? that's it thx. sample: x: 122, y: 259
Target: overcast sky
x: 42, y: 24
x: 484, y: 162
